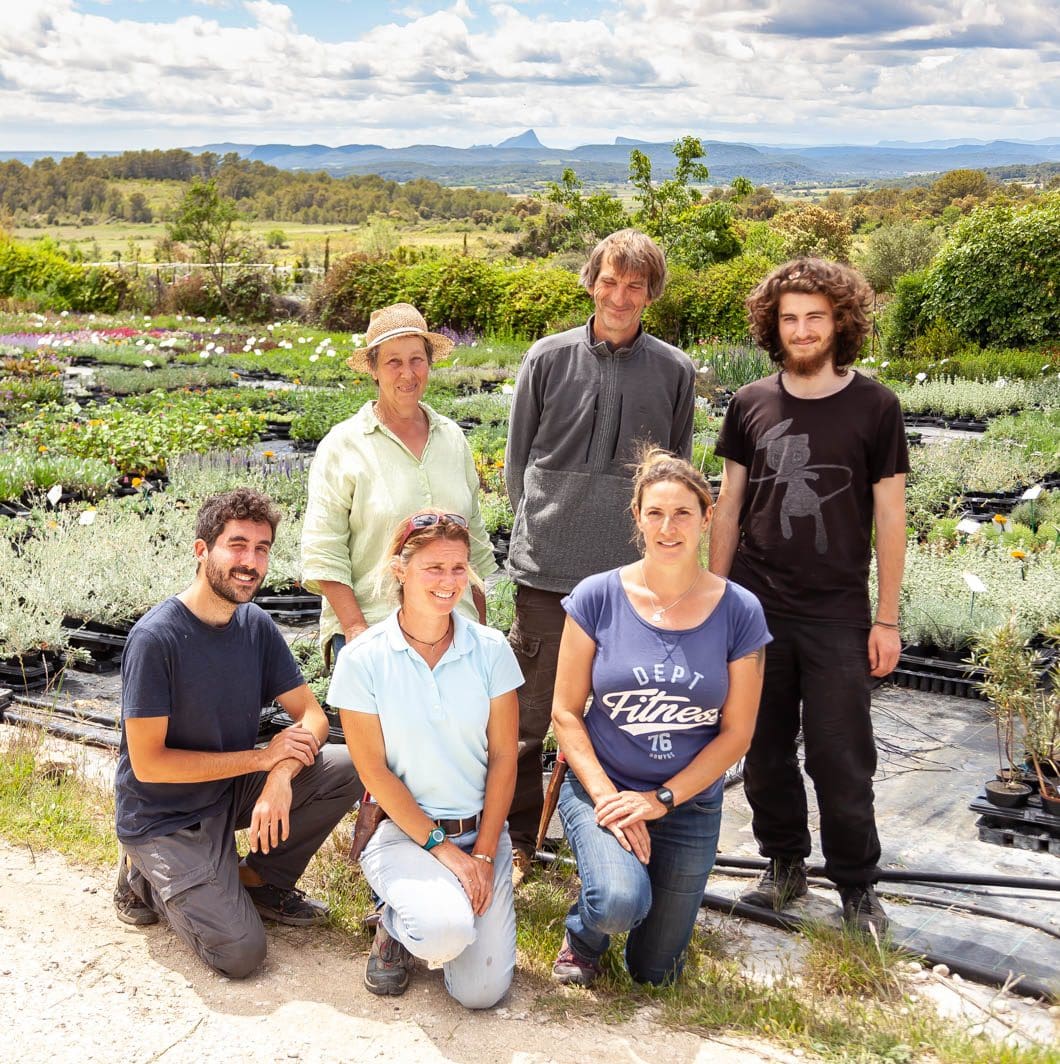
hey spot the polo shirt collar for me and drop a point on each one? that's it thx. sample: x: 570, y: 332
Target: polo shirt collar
x: 463, y: 641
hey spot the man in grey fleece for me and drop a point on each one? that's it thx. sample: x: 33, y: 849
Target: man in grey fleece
x: 585, y: 400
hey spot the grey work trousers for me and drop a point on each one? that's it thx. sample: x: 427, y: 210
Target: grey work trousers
x: 191, y: 877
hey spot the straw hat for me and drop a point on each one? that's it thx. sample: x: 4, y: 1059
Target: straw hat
x: 402, y: 319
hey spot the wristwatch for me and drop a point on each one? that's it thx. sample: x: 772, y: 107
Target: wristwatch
x: 434, y: 838
x: 666, y: 797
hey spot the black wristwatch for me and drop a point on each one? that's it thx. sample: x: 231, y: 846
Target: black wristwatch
x: 666, y: 797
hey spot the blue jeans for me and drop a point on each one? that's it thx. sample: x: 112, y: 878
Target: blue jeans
x: 656, y: 903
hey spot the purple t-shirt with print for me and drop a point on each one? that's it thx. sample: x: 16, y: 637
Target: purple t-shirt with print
x: 657, y: 694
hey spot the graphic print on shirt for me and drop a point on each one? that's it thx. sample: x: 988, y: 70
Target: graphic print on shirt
x: 659, y: 706
x: 789, y: 457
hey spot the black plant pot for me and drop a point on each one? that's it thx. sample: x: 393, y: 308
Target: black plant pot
x: 1007, y: 795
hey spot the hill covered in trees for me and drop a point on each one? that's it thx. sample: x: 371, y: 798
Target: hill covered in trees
x: 97, y: 190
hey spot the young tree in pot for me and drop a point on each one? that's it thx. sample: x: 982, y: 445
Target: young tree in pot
x: 1041, y: 726
x: 1009, y: 684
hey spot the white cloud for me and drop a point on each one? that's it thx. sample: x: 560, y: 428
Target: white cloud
x: 801, y: 70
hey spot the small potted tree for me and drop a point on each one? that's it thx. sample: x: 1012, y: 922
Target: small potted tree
x: 1009, y: 683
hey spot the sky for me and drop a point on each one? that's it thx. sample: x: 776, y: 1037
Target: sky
x: 114, y: 75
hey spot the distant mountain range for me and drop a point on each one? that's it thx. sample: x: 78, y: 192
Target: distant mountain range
x: 523, y: 162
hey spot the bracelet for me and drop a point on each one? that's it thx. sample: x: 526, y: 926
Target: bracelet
x: 483, y: 857
x: 886, y: 624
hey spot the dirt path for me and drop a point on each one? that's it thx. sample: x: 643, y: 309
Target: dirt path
x: 75, y: 984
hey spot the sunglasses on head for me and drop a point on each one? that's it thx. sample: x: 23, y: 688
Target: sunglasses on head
x: 418, y: 521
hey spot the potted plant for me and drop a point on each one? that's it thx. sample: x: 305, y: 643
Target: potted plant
x: 1009, y: 683
x: 1026, y: 707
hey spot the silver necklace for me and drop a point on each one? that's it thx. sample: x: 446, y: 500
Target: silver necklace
x: 657, y: 616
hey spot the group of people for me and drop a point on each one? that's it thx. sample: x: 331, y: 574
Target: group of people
x: 629, y: 638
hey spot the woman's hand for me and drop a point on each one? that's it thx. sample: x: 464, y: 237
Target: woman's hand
x: 625, y: 815
x: 476, y: 877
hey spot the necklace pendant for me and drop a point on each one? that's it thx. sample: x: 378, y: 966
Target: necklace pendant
x: 656, y: 617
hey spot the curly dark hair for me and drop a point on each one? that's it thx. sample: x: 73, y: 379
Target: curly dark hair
x: 240, y: 504
x: 845, y: 289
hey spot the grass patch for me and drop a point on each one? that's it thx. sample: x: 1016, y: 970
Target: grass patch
x: 839, y: 962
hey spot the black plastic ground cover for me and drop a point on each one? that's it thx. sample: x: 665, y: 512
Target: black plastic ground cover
x: 994, y: 958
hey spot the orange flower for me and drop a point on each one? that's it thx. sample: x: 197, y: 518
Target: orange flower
x: 1018, y: 554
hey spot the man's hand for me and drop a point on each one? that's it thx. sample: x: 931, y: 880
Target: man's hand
x: 295, y: 742
x: 270, y: 822
x: 885, y: 644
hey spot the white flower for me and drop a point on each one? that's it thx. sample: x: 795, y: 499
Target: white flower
x: 219, y: 351
x: 87, y: 517
x: 314, y: 358
x: 200, y: 319
x: 884, y: 365
x: 921, y: 376
x: 148, y: 364
x: 204, y: 354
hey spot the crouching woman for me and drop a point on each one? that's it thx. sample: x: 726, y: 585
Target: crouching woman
x: 671, y: 657
x: 430, y: 715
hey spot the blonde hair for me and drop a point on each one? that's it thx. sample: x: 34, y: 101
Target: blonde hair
x: 632, y: 254
x: 404, y: 544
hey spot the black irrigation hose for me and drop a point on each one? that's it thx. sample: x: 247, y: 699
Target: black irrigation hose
x: 912, y: 875
x: 786, y: 922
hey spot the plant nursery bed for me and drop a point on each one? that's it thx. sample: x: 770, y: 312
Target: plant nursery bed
x: 31, y: 673
x: 290, y: 605
x: 937, y: 675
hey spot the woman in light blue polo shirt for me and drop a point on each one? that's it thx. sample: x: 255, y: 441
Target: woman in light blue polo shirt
x: 430, y: 714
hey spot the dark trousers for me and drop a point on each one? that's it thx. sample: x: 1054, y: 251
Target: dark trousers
x: 191, y: 877
x: 823, y: 671
x: 535, y: 636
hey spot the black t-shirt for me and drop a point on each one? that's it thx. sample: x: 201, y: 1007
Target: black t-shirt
x: 211, y: 683
x: 806, y: 519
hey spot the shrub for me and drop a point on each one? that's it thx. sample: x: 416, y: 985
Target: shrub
x: 466, y: 295
x: 354, y: 287
x: 903, y: 319
x: 811, y: 230
x: 997, y: 279
x: 539, y: 301
x: 894, y: 250
x: 707, y: 305
x: 39, y: 273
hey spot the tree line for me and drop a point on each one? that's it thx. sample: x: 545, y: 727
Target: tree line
x: 90, y: 190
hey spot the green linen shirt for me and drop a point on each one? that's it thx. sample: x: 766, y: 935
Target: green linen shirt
x: 362, y: 482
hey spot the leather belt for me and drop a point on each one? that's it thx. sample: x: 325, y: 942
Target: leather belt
x: 459, y: 827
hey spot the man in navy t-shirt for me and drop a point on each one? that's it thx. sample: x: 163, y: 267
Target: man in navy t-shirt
x: 195, y: 673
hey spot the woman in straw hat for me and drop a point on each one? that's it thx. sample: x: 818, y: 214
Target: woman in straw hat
x: 394, y: 457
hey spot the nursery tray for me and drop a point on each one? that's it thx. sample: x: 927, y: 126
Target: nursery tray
x: 1031, y: 815
x: 937, y: 676
x: 293, y: 607
x: 20, y: 676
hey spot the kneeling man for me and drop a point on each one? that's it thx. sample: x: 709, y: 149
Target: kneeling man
x: 195, y: 673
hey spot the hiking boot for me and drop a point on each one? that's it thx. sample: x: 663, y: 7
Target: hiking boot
x: 862, y: 910
x: 572, y: 969
x: 781, y: 883
x: 388, y: 965
x: 521, y: 865
x: 128, y: 906
x: 287, y: 905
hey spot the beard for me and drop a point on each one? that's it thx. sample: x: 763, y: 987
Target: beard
x: 808, y: 365
x: 224, y: 586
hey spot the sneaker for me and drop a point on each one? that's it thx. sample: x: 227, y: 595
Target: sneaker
x: 287, y: 905
x: 521, y: 864
x: 128, y: 906
x: 863, y: 911
x: 572, y: 969
x: 388, y: 965
x: 781, y: 883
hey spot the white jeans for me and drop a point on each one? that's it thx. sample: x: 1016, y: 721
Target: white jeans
x: 428, y: 912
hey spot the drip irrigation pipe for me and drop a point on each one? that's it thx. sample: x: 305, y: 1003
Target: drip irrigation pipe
x: 912, y: 875
x: 966, y: 969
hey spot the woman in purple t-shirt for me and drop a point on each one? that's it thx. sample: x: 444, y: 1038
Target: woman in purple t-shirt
x: 672, y: 658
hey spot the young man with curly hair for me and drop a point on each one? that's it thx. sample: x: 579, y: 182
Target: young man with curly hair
x: 195, y: 673
x: 815, y: 461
